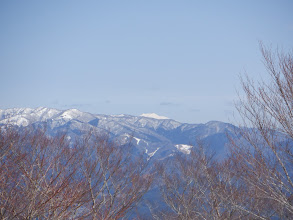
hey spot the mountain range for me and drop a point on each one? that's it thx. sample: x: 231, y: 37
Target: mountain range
x: 157, y: 136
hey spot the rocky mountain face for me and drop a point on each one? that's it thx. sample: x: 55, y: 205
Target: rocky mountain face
x: 156, y: 136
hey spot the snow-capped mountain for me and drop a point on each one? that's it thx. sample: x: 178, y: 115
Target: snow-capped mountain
x: 157, y: 136
x: 153, y: 115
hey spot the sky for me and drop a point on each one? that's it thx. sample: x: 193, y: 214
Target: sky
x: 179, y: 59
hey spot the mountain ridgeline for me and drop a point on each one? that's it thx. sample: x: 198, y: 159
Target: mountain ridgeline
x: 156, y: 136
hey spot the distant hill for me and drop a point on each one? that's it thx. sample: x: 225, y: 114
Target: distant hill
x: 156, y: 136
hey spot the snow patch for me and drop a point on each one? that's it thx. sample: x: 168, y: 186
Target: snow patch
x: 153, y: 115
x: 184, y: 148
x: 137, y: 140
x: 153, y: 153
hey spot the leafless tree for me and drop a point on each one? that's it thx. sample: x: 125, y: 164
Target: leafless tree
x: 37, y: 176
x: 45, y: 177
x: 255, y: 180
x: 199, y: 187
x: 263, y: 161
x: 114, y: 180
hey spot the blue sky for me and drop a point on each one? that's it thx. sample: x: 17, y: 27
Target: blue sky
x: 180, y: 59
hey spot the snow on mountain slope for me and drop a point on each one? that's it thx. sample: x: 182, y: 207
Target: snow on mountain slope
x: 74, y: 114
x: 153, y: 115
x: 184, y: 148
x: 26, y: 116
x: 149, y: 131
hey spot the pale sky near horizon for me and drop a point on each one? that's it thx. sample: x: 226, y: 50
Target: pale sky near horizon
x: 180, y: 59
